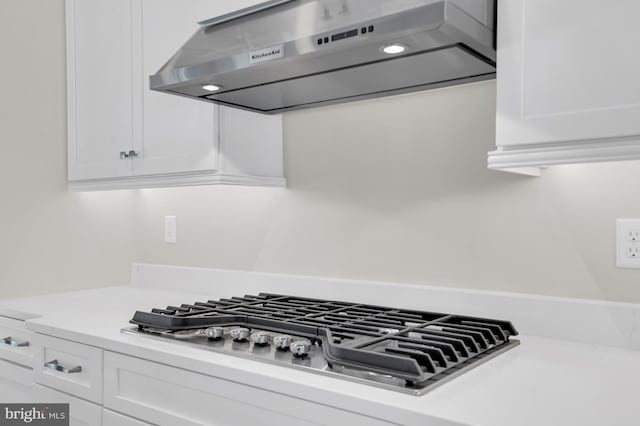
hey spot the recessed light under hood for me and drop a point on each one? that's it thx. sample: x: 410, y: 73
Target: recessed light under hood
x: 284, y: 55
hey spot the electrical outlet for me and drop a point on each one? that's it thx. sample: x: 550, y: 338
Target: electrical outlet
x: 628, y: 243
x: 634, y: 251
x: 170, y: 229
x: 633, y: 235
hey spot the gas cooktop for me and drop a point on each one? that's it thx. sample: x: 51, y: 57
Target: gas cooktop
x: 404, y: 350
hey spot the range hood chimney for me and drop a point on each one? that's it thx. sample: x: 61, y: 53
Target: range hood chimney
x: 285, y: 55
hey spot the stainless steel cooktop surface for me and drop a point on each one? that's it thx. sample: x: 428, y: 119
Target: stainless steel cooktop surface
x: 403, y: 350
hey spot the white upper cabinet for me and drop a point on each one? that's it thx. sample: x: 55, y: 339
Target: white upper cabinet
x: 568, y: 82
x: 99, y: 91
x: 122, y: 135
x: 175, y: 134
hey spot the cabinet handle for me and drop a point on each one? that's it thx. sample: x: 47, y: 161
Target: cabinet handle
x: 53, y: 365
x: 125, y: 155
x: 9, y: 341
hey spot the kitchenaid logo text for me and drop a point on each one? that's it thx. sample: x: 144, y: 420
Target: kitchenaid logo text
x: 268, y: 54
x: 34, y: 414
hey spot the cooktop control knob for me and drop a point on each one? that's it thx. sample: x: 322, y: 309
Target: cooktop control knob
x: 214, y: 333
x: 240, y: 334
x: 300, y: 348
x: 260, y: 338
x: 282, y: 341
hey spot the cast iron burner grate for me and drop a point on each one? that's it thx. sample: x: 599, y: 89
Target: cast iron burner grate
x: 419, y: 347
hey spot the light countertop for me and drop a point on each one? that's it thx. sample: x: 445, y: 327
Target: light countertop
x: 540, y: 382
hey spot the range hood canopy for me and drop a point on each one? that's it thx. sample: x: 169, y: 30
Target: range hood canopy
x: 285, y: 55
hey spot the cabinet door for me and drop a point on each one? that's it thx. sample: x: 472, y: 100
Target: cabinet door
x: 81, y: 412
x: 17, y: 344
x: 99, y: 84
x: 70, y: 367
x: 175, y: 134
x: 16, y: 383
x: 567, y: 71
x: 170, y: 396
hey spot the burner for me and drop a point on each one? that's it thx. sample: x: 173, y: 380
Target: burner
x: 400, y: 349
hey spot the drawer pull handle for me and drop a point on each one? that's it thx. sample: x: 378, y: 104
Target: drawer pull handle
x: 9, y: 341
x: 124, y: 155
x: 53, y: 365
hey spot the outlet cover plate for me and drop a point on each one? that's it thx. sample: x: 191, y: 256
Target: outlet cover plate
x: 625, y: 244
x: 170, y: 229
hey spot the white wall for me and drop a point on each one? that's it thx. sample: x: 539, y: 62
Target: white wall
x: 394, y: 189
x: 50, y: 240
x: 398, y: 190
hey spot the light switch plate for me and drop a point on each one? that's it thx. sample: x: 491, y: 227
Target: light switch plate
x: 627, y: 243
x: 170, y: 229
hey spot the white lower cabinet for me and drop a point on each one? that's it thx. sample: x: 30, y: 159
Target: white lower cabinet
x: 81, y: 412
x: 16, y: 343
x: 17, y: 348
x: 16, y: 383
x: 111, y: 389
x: 111, y: 418
x: 70, y: 367
x: 171, y: 396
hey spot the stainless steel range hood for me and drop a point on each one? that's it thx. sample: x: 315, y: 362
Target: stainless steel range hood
x: 285, y: 55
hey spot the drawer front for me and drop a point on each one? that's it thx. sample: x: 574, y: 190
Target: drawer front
x: 16, y: 383
x: 70, y: 367
x: 170, y: 396
x: 81, y: 413
x: 16, y: 343
x: 110, y: 418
